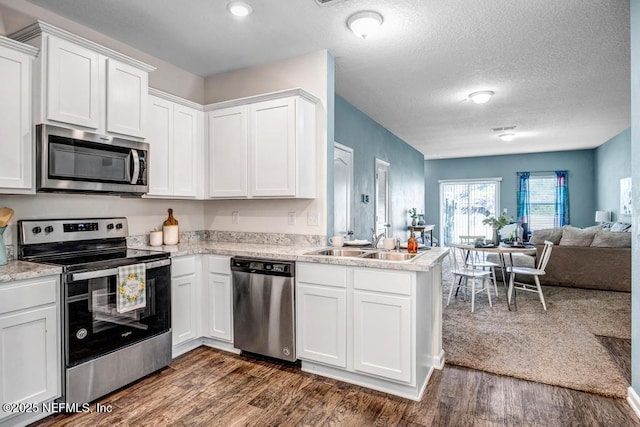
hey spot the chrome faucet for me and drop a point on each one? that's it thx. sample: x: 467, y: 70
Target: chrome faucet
x: 375, y: 240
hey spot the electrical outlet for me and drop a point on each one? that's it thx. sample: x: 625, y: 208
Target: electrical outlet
x: 313, y: 218
x: 235, y: 217
x: 292, y: 218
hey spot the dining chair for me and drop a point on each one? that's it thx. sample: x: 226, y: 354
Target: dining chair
x: 464, y: 271
x: 536, y: 272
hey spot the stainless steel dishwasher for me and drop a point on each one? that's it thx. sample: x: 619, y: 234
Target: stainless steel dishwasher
x: 263, y: 307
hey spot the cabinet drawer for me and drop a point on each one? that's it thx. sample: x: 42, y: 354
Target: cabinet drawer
x: 219, y: 264
x: 183, y: 266
x: 319, y: 274
x: 28, y: 293
x: 393, y: 282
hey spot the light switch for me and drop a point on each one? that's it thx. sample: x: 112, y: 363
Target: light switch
x: 292, y: 218
x: 235, y: 217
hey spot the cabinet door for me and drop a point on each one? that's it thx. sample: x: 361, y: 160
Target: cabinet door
x: 382, y: 335
x: 15, y: 120
x: 160, y: 136
x: 220, y: 306
x: 127, y: 89
x: 272, y: 155
x: 73, y: 86
x: 29, y: 356
x: 321, y: 322
x: 228, y: 152
x: 184, y: 151
x: 184, y: 308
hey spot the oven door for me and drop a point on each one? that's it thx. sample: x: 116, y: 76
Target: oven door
x: 93, y: 324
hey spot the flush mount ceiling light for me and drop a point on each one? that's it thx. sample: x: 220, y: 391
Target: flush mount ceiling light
x: 239, y: 8
x: 481, y: 97
x: 365, y: 23
x: 507, y: 137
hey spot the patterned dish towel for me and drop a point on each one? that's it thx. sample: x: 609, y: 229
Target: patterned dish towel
x: 132, y: 289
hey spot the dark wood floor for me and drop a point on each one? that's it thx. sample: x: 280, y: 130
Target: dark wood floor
x: 211, y: 387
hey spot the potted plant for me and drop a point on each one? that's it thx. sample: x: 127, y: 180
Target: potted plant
x: 413, y: 213
x: 496, y: 223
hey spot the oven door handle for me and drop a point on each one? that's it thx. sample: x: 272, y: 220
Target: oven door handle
x: 75, y: 277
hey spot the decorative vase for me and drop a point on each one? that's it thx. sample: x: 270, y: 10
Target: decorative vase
x: 3, y: 249
x: 413, y: 222
x: 496, y: 239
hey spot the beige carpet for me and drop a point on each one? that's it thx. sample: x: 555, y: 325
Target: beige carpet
x: 558, y: 347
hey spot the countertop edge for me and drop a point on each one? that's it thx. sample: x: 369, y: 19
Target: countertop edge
x: 425, y: 262
x: 16, y: 270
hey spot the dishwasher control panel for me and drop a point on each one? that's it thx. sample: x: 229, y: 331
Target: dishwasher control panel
x: 260, y: 266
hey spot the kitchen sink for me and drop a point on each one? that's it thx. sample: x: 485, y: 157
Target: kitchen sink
x: 339, y: 252
x: 391, y: 256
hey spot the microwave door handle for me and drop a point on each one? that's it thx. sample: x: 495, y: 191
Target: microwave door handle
x: 134, y: 166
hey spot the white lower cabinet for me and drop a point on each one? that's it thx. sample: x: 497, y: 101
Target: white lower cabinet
x: 30, y: 346
x: 382, y: 335
x: 218, y: 323
x: 371, y: 308
x: 185, y: 290
x: 321, y: 313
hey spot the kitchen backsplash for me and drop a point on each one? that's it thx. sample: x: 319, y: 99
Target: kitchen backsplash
x: 238, y: 237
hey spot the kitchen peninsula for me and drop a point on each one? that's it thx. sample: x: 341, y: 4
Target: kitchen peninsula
x: 369, y: 322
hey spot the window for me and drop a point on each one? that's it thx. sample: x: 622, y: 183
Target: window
x: 463, y: 205
x: 542, y: 199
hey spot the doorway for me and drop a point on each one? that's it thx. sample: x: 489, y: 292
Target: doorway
x: 342, y: 189
x: 382, y: 213
x: 463, y: 204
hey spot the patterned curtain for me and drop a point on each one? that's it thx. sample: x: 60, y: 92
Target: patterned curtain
x: 523, y: 208
x: 561, y: 216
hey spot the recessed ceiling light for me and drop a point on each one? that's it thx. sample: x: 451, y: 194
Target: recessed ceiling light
x: 365, y: 23
x: 239, y: 8
x: 507, y: 137
x: 481, y: 97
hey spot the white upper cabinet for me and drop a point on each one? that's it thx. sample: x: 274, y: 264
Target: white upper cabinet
x: 127, y: 88
x: 16, y: 133
x: 73, y: 84
x: 83, y: 84
x: 175, y: 137
x: 263, y: 146
x: 228, y: 152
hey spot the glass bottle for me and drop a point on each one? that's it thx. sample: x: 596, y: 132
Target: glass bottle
x: 412, y: 244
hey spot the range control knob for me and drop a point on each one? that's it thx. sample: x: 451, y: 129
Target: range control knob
x: 36, y: 230
x: 109, y: 226
x: 48, y: 229
x: 118, y: 226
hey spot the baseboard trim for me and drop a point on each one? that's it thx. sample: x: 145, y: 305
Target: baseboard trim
x: 634, y: 401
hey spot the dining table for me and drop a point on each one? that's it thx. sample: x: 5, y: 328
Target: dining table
x: 504, y: 251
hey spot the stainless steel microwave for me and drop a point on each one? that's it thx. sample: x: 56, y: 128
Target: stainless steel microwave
x: 71, y: 160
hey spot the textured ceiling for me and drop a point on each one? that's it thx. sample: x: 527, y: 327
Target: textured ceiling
x: 560, y: 69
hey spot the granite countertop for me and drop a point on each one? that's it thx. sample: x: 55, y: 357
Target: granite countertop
x: 20, y: 270
x: 430, y: 257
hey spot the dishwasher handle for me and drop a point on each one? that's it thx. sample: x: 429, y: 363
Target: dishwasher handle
x: 266, y: 267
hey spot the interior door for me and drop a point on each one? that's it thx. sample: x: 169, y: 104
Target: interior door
x: 382, y: 214
x: 342, y: 189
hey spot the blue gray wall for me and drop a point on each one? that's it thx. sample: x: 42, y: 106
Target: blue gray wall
x: 635, y: 173
x: 613, y: 162
x: 369, y: 141
x: 579, y: 163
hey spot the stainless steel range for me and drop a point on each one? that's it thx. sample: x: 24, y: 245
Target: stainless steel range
x: 116, y: 326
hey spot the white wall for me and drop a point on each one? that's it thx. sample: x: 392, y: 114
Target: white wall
x: 309, y: 72
x: 143, y: 214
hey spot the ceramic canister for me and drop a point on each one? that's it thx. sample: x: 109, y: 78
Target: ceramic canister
x: 155, y: 238
x: 170, y: 233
